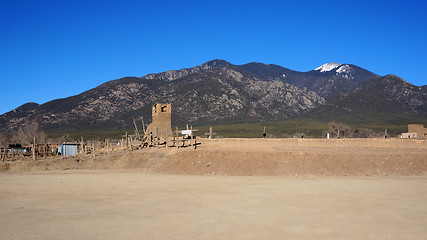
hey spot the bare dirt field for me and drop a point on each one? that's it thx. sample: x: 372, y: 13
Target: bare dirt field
x: 256, y: 157
x: 128, y: 204
x: 256, y: 189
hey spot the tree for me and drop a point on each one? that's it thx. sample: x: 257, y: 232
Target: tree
x: 364, y: 133
x: 339, y: 130
x: 63, y: 138
x: 3, y: 139
x: 26, y: 133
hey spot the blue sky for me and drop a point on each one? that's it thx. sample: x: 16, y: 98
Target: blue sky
x: 55, y: 49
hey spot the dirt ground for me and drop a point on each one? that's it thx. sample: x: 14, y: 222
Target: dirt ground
x: 129, y: 204
x: 256, y: 157
x: 256, y: 189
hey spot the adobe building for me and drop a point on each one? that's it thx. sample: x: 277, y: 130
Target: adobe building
x: 408, y: 135
x: 161, y: 119
x: 419, y: 129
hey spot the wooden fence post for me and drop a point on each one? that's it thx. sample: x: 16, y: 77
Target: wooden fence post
x: 34, y: 149
x: 127, y: 141
x: 2, y: 154
x: 177, y: 138
x: 191, y: 136
x: 93, y: 149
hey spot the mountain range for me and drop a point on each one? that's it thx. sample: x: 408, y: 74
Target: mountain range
x: 220, y: 92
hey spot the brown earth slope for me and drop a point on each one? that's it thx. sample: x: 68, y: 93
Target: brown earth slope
x: 258, y: 157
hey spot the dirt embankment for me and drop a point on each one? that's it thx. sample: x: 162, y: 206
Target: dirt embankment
x: 258, y: 157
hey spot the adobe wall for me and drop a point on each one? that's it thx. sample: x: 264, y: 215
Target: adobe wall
x: 408, y: 135
x: 162, y: 118
x: 419, y: 129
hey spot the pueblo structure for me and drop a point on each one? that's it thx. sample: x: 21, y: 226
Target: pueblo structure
x: 419, y: 129
x: 161, y: 119
x: 415, y: 131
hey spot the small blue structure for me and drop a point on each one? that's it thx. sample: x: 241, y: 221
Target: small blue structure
x: 68, y: 149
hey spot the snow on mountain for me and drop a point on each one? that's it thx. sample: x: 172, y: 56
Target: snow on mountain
x: 344, y: 69
x: 328, y: 67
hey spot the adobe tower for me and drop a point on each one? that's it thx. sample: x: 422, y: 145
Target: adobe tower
x: 162, y: 118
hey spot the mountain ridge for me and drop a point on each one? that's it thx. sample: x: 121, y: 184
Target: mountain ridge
x: 386, y: 96
x: 215, y: 91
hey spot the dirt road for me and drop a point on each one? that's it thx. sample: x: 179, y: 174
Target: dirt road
x: 136, y: 205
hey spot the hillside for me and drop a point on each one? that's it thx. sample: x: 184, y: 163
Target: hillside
x: 220, y: 92
x: 387, y: 98
x: 214, y: 91
x: 325, y: 80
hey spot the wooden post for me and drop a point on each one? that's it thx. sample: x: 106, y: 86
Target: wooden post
x: 210, y: 134
x: 34, y: 149
x: 136, y: 129
x: 143, y: 126
x: 81, y: 145
x: 385, y: 133
x: 93, y: 149
x: 176, y: 138
x: 156, y: 130
x: 149, y: 137
x: 195, y: 141
x: 127, y: 141
x: 191, y: 136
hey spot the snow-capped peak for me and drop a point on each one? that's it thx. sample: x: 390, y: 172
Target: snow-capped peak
x: 344, y: 69
x: 328, y: 67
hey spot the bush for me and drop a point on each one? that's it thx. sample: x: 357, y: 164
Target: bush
x: 364, y: 133
x: 338, y: 130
